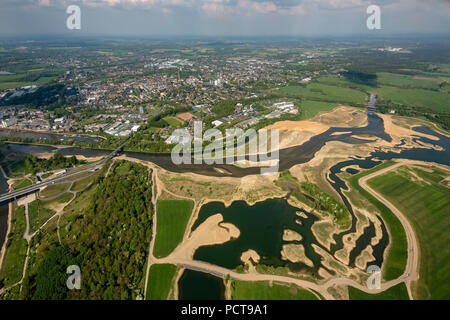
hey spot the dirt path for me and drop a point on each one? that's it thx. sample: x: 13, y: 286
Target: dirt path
x: 412, y: 265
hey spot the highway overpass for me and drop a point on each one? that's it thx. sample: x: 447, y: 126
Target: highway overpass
x: 6, y: 197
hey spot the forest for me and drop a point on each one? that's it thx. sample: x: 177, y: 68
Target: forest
x: 108, y: 241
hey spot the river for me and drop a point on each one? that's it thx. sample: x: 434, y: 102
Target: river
x: 288, y: 158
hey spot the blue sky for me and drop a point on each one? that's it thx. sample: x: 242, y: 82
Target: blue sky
x: 224, y: 17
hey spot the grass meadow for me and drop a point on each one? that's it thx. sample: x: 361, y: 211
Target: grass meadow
x: 172, y: 218
x: 425, y: 202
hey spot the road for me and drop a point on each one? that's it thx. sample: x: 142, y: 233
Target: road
x: 412, y: 265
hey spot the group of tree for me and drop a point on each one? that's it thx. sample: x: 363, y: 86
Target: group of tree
x: 111, y: 239
x: 108, y: 241
x: 57, y: 161
x: 365, y: 78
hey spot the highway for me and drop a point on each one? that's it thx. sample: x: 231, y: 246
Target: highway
x: 35, y: 187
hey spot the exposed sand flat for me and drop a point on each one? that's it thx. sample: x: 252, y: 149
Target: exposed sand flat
x: 249, y: 257
x: 343, y: 255
x: 301, y: 214
x: 252, y: 188
x: 349, y: 241
x: 338, y: 150
x: 296, y: 203
x: 340, y: 133
x: 294, y: 133
x: 342, y: 116
x: 291, y: 235
x: 429, y: 145
x: 303, y: 125
x: 90, y: 159
x: 295, y: 253
x: 324, y: 273
x: 323, y: 231
x: 330, y: 262
x: 365, y: 138
x: 249, y: 164
x: 211, y: 231
x: 365, y: 256
x: 400, y: 131
x: 48, y: 155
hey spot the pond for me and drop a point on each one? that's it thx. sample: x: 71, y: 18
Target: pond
x: 194, y: 285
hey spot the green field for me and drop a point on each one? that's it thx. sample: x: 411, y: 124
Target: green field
x: 397, y: 88
x: 325, y: 93
x: 38, y: 215
x: 342, y: 82
x: 55, y: 189
x: 395, y: 264
x: 438, y: 101
x: 160, y: 280
x: 404, y: 81
x: 23, y: 183
x: 310, y: 108
x: 172, y: 217
x: 425, y: 202
x: 173, y: 122
x: 16, y: 250
x: 262, y: 290
x: 28, y: 77
x: 83, y: 183
x: 398, y: 292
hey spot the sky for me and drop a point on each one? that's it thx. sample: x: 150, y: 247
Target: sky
x: 224, y: 17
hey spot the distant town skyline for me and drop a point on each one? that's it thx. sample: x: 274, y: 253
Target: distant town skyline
x: 223, y: 17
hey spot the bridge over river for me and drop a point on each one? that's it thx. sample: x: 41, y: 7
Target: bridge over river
x: 6, y: 197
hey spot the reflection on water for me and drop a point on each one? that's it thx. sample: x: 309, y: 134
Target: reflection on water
x: 194, y: 285
x: 262, y: 229
x: 261, y: 226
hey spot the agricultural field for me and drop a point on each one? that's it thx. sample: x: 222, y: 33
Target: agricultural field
x: 328, y: 93
x: 420, y: 195
x: 408, y: 90
x: 435, y: 100
x: 309, y: 108
x: 406, y: 81
x: 172, y: 217
x: 263, y: 290
x: 28, y: 77
x: 160, y: 281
